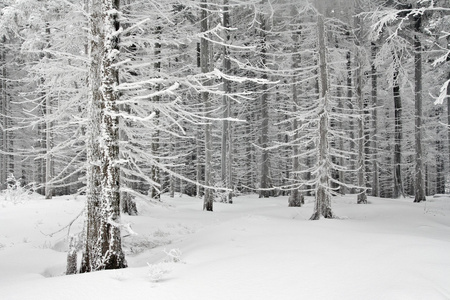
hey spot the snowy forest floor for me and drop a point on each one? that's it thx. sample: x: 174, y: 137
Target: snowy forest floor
x: 251, y: 249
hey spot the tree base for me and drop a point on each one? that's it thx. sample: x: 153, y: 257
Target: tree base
x: 419, y: 199
x: 208, y: 200
x: 296, y: 200
x: 114, y: 262
x: 317, y: 215
x: 208, y: 207
x: 128, y: 204
x: 362, y: 198
x: 72, y: 267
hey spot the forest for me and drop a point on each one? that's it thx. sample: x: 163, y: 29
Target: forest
x: 128, y: 100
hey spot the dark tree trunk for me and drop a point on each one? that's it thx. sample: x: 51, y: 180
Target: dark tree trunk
x: 448, y: 119
x: 71, y: 267
x: 265, y: 183
x: 155, y: 188
x: 205, y: 67
x: 419, y: 193
x: 226, y: 154
x: 374, y: 146
x: 440, y: 161
x: 398, y: 184
x: 361, y: 161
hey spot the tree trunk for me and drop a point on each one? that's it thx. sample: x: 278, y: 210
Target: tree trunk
x: 226, y: 154
x: 199, y: 167
x: 155, y: 187
x: 71, y: 266
x: 440, y: 161
x: 296, y: 199
x: 374, y: 142
x: 4, y: 119
x: 171, y: 177
x: 322, y: 207
x: 205, y: 67
x: 398, y: 184
x: 448, y: 121
x: 361, y: 165
x: 41, y: 145
x: 351, y: 125
x: 265, y: 183
x: 102, y: 247
x: 49, y: 170
x: 341, y: 173
x: 127, y: 203
x: 419, y: 193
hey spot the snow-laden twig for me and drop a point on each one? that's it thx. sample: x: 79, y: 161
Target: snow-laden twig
x: 67, y: 226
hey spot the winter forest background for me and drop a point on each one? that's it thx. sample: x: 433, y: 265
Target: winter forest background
x: 126, y: 100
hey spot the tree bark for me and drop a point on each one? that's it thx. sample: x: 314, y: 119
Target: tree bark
x: 49, y: 168
x: 102, y: 247
x: 322, y: 207
x: 296, y: 199
x: 419, y: 193
x: 440, y: 161
x: 398, y: 135
x: 4, y: 120
x: 351, y: 125
x: 448, y: 117
x: 155, y: 192
x: 374, y: 141
x: 265, y: 183
x: 208, y: 199
x: 362, y: 196
x: 226, y: 154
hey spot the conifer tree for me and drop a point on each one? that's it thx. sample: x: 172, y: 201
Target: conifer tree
x: 102, y: 247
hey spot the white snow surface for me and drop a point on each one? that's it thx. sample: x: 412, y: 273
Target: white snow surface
x: 251, y: 249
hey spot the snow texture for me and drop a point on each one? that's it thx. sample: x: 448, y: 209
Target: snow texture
x: 252, y: 249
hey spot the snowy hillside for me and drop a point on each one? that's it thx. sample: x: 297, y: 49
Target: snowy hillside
x: 252, y: 249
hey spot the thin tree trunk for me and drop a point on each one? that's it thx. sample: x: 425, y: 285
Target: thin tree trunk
x: 341, y: 173
x: 199, y: 168
x: 48, y: 190
x: 374, y: 141
x: 448, y: 121
x: 49, y: 157
x: 419, y: 193
x: 398, y: 184
x: 265, y: 183
x: 351, y: 129
x: 440, y: 162
x: 322, y: 207
x: 205, y: 67
x: 296, y: 199
x: 127, y: 203
x: 102, y: 244
x: 362, y: 196
x: 171, y: 177
x: 226, y: 154
x: 249, y: 157
x: 155, y: 188
x: 3, y: 118
x: 41, y: 146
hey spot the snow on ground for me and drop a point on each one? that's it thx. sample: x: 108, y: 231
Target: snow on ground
x: 252, y: 249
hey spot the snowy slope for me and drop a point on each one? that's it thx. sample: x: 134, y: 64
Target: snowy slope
x: 252, y: 249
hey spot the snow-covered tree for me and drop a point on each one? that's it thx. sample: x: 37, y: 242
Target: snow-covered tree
x: 102, y: 247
